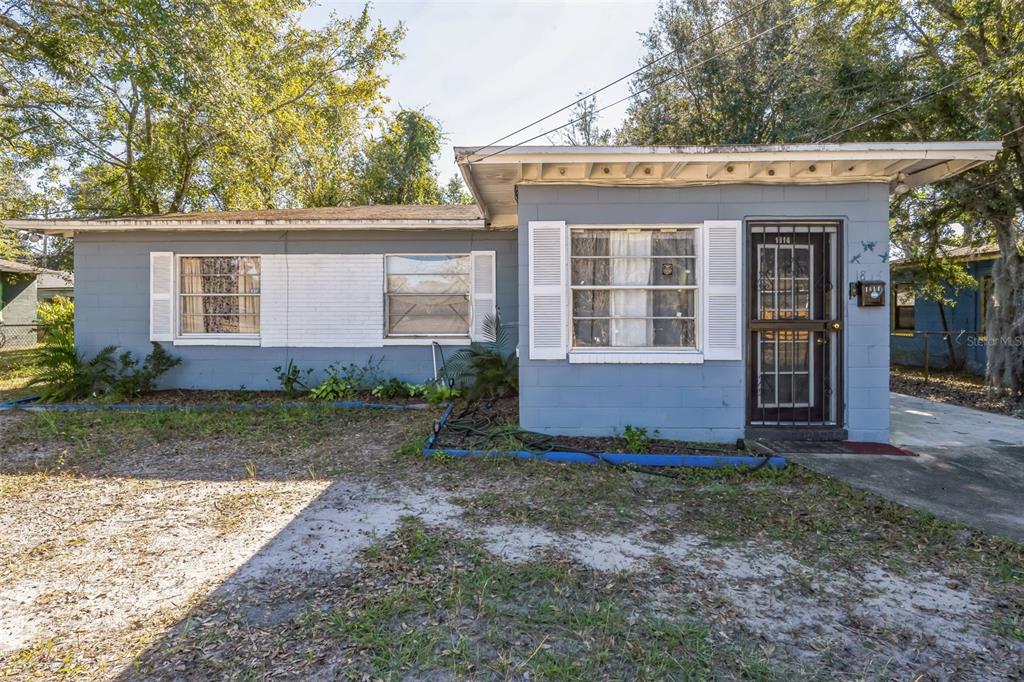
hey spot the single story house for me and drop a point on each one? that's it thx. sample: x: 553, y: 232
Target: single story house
x: 55, y: 283
x: 709, y: 293
x: 915, y: 319
x: 18, y: 300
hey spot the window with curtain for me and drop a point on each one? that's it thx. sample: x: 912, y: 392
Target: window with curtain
x: 427, y: 295
x: 219, y: 294
x: 634, y: 287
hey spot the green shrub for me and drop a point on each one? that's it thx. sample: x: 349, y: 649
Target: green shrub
x: 391, y: 389
x: 637, y: 439
x: 133, y: 379
x: 333, y: 388
x: 56, y: 314
x: 362, y: 377
x: 489, y: 369
x: 64, y: 374
x: 292, y: 377
x: 437, y: 392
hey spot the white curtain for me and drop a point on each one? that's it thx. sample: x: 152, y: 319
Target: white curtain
x: 630, y: 271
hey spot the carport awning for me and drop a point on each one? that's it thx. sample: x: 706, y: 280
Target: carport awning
x: 493, y: 173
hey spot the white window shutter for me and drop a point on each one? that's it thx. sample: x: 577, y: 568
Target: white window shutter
x: 549, y: 256
x: 161, y: 296
x: 722, y: 280
x: 483, y: 291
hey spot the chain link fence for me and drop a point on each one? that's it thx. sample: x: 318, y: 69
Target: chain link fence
x: 18, y: 336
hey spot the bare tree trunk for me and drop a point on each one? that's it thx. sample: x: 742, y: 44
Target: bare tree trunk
x: 954, y: 362
x: 1004, y: 349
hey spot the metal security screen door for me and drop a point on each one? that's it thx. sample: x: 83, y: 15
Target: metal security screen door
x: 794, y: 326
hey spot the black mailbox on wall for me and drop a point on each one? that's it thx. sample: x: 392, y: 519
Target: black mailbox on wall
x: 870, y: 294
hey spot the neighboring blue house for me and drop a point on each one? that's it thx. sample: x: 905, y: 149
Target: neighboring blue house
x: 913, y: 317
x: 710, y: 293
x: 18, y: 300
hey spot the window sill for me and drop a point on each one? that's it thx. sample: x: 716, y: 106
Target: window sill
x: 585, y: 357
x: 218, y: 340
x: 901, y: 332
x: 425, y: 341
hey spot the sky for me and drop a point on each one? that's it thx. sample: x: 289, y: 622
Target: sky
x: 484, y: 69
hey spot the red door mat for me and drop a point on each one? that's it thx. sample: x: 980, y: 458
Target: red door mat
x: 844, y: 447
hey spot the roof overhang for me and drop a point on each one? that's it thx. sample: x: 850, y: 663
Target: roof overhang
x: 493, y: 173
x: 68, y: 228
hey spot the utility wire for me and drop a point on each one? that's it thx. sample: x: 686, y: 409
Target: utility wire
x: 915, y: 100
x: 686, y: 69
x: 632, y: 73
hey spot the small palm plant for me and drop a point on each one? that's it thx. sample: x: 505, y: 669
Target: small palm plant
x: 489, y: 369
x: 64, y: 374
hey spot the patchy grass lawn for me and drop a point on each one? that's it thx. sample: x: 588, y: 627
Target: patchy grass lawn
x: 956, y: 388
x: 316, y: 542
x: 16, y: 368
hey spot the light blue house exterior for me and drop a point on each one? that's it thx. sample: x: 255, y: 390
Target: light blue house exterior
x: 707, y: 293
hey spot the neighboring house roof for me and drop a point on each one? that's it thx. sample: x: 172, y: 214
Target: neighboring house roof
x: 494, y: 173
x: 21, y: 268
x: 410, y: 216
x: 24, y: 268
x: 55, y: 280
x: 964, y: 253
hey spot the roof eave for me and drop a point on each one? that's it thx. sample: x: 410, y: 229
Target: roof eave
x: 795, y: 152
x: 69, y: 227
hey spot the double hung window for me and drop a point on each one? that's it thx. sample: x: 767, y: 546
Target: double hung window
x: 634, y: 287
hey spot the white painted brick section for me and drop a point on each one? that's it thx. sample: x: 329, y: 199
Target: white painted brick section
x: 323, y: 300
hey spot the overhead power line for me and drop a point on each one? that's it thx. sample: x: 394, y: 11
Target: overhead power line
x: 686, y: 69
x: 632, y: 73
x: 919, y: 98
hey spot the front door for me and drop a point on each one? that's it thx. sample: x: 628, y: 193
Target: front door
x: 794, y: 324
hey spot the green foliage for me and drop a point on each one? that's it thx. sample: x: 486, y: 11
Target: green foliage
x: 11, y: 246
x: 638, y: 441
x: 583, y: 129
x: 157, y: 107
x: 395, y: 388
x: 489, y: 369
x: 805, y: 80
x: 363, y: 376
x: 455, y: 192
x: 398, y: 166
x: 333, y: 388
x: 64, y: 374
x: 438, y: 393
x: 412, y: 446
x: 57, y: 313
x: 293, y: 378
x: 132, y: 379
x: 343, y: 383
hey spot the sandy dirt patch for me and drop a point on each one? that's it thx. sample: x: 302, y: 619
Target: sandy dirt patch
x: 149, y: 555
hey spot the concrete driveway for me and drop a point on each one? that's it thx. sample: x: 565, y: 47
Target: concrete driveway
x: 970, y: 469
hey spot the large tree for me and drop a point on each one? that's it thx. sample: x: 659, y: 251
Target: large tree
x: 156, y: 107
x: 748, y: 72
x: 397, y: 167
x: 967, y: 61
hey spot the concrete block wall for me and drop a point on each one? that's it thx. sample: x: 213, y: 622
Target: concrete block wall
x: 112, y: 298
x: 707, y: 401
